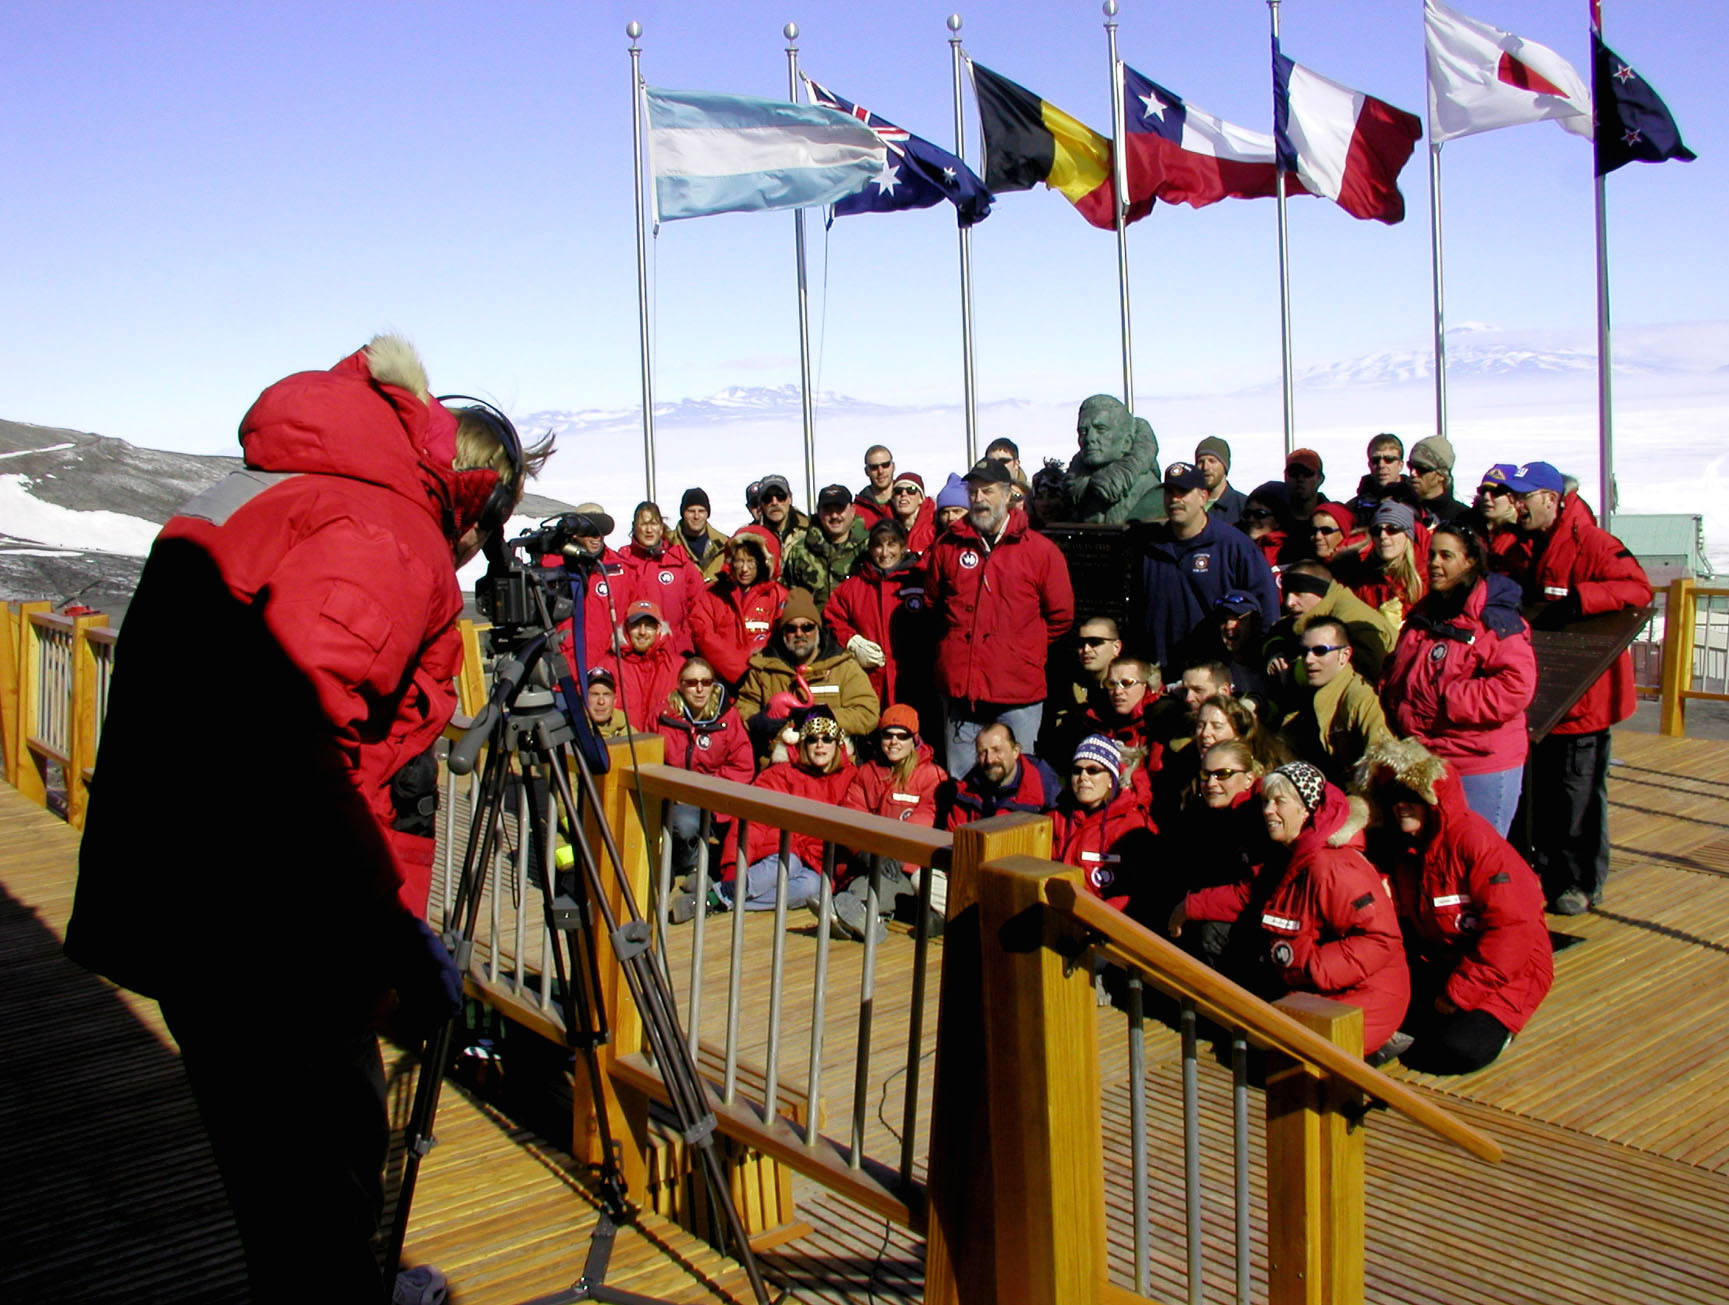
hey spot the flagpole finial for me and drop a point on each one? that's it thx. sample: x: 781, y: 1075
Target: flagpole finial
x: 1110, y: 8
x: 954, y: 22
x: 790, y: 31
x: 633, y: 30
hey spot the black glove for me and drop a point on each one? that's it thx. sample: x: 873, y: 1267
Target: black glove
x: 425, y: 976
x: 1560, y: 612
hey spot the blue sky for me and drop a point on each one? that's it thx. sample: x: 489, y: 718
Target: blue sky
x: 202, y: 197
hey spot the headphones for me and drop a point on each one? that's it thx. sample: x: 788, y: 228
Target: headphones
x: 504, y: 494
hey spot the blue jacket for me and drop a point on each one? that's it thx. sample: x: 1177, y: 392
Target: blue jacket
x: 1182, y: 579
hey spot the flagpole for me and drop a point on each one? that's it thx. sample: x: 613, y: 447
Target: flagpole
x: 1605, y: 407
x: 968, y: 383
x: 634, y: 31
x: 1440, y: 308
x: 1284, y: 277
x: 790, y: 31
x: 1120, y: 186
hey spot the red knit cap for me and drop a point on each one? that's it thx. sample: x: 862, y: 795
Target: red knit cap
x: 900, y: 716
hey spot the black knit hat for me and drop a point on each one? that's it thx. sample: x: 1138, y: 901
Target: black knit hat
x: 695, y: 497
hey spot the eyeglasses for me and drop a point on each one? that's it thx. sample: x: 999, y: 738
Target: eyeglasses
x: 1495, y: 491
x: 1222, y: 773
x: 799, y: 627
x: 1384, y: 458
x: 1257, y: 514
x: 1004, y: 458
x: 1088, y: 770
x: 776, y: 496
x: 1385, y: 530
x: 878, y: 466
x: 702, y: 683
x: 1093, y: 641
x: 899, y: 736
x: 1322, y: 649
x: 1123, y: 684
x: 1324, y: 530
x: 1418, y: 469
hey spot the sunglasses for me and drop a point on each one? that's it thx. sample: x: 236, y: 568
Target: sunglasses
x: 1088, y: 770
x: 908, y: 489
x: 1123, y: 684
x: 1257, y: 514
x: 1385, y: 530
x: 799, y: 627
x: 1301, y: 471
x: 1324, y: 530
x: 878, y: 466
x: 1222, y: 773
x: 1418, y: 469
x: 1384, y: 458
x: 1322, y: 649
x: 702, y: 683
x: 1495, y: 491
x: 899, y: 736
x: 776, y: 496
x: 1093, y: 641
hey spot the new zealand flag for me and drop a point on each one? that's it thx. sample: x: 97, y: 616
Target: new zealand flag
x: 917, y: 174
x: 1633, y: 124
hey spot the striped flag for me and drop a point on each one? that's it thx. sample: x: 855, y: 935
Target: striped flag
x: 1029, y: 141
x: 715, y: 153
x: 1342, y: 144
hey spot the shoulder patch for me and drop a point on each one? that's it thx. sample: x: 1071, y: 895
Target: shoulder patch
x: 1501, y: 877
x: 1367, y: 899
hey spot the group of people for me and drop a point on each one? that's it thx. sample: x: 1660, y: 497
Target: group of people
x: 1299, y: 747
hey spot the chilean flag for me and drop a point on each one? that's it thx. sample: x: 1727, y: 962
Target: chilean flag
x: 1180, y: 153
x: 1340, y: 143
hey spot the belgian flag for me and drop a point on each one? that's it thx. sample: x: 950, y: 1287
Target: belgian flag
x: 1029, y: 140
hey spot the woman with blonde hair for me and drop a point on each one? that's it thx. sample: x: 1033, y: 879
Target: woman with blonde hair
x: 1392, y: 576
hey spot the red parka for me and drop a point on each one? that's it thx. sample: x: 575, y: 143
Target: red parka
x: 1370, y: 581
x: 875, y: 789
x: 645, y: 680
x: 718, y: 744
x: 1578, y: 560
x: 669, y: 579
x: 1476, y: 912
x: 1112, y: 844
x: 730, y: 623
x: 796, y: 778
x: 1331, y: 927
x: 1460, y: 686
x: 999, y: 609
x: 604, y: 602
x: 889, y: 609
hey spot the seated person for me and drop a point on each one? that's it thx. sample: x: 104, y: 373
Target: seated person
x: 601, y: 702
x: 1216, y: 846
x: 1100, y: 824
x: 1310, y: 593
x: 800, y: 668
x: 903, y: 785
x: 1134, y: 690
x: 1337, y: 715
x: 1475, y: 936
x: 819, y: 767
x: 1328, y: 925
x: 647, y: 665
x: 736, y: 615
x: 1005, y: 779
x: 703, y: 734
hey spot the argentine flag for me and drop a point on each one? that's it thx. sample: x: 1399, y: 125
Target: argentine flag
x: 735, y: 154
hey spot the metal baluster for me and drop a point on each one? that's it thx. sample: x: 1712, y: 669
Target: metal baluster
x: 493, y: 871
x: 915, y: 1035
x: 740, y: 889
x: 518, y: 889
x: 700, y: 891
x: 1138, y: 1135
x: 1192, y: 1152
x: 663, y: 891
x: 866, y: 1004
x: 819, y: 996
x: 1240, y: 1132
x: 449, y: 849
x: 548, y: 868
x: 777, y: 971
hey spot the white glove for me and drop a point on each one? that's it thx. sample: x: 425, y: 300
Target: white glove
x: 867, y: 654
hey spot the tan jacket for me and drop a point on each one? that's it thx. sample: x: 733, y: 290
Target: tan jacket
x: 1335, y: 727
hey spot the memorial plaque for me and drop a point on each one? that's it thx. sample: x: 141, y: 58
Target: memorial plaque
x: 1570, y: 657
x: 1104, y: 565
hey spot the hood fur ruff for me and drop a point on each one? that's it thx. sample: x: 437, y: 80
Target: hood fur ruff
x: 393, y: 361
x: 1403, y: 761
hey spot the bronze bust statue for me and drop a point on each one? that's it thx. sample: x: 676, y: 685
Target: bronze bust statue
x: 1115, y: 476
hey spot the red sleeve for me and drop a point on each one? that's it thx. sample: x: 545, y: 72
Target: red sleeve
x: 1508, y: 900
x: 1056, y: 594
x: 837, y: 615
x: 1503, y: 686
x: 710, y: 628
x: 1359, y: 914
x: 1221, y: 902
x: 1615, y: 578
x: 739, y: 763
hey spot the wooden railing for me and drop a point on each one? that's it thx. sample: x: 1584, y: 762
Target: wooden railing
x: 54, y: 675
x: 1695, y: 631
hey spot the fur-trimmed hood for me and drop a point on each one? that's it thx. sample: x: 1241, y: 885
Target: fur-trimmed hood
x: 1406, y: 762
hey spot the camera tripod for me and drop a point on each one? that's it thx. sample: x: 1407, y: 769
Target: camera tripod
x: 523, y: 722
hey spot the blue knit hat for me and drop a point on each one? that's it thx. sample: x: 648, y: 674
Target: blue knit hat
x: 1106, y: 752
x: 953, y: 493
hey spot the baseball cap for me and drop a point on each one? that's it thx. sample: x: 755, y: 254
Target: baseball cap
x: 1184, y: 476
x: 1499, y: 474
x: 1306, y: 458
x: 773, y: 482
x: 642, y: 610
x: 597, y: 516
x: 1534, y: 476
x: 833, y: 496
x: 1237, y: 603
x: 989, y: 472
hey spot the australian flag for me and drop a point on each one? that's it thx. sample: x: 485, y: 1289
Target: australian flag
x: 916, y: 175
x: 1633, y: 124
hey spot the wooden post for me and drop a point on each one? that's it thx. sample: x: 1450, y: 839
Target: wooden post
x: 1016, y: 1175
x: 27, y: 775
x: 9, y: 683
x: 83, y: 717
x: 1315, y: 1167
x: 1677, y: 658
x: 471, y: 679
x: 627, y: 1110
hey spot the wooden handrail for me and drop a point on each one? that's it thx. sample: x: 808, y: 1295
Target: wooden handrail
x: 1173, y: 969
x: 908, y: 843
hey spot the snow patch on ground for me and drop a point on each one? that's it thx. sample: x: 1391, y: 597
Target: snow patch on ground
x: 29, y: 518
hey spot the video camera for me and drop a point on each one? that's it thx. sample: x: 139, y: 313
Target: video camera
x: 523, y: 596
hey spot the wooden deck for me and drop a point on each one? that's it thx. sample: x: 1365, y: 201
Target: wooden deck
x: 1613, y: 1107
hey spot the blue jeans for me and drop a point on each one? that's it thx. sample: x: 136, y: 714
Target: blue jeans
x: 962, y: 723
x: 1495, y: 795
x: 684, y: 828
x: 803, y: 885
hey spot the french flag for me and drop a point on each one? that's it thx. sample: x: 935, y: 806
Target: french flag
x: 1180, y: 153
x: 1342, y: 144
